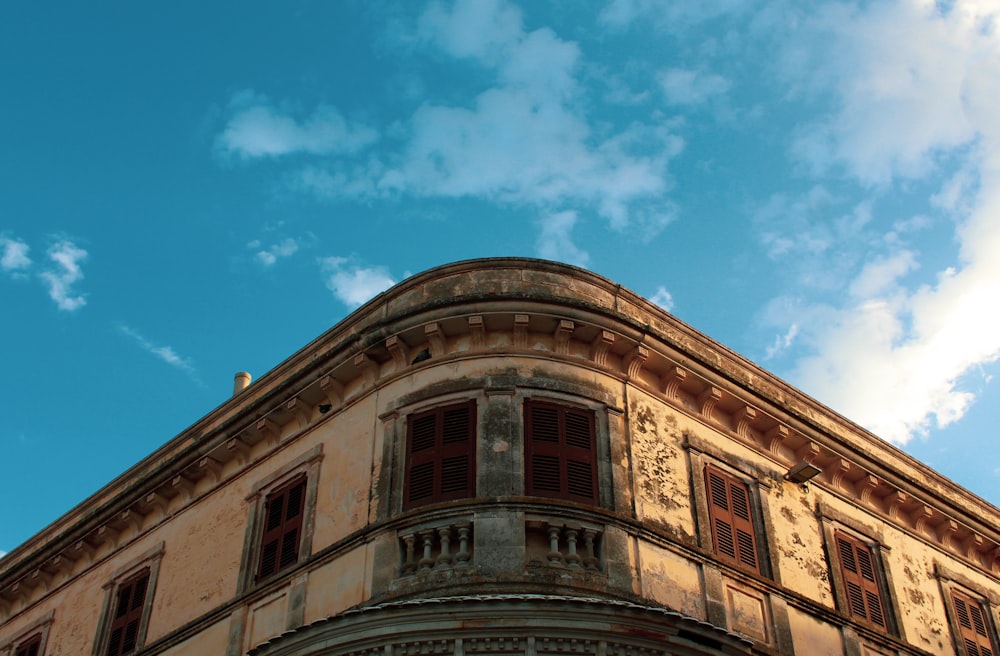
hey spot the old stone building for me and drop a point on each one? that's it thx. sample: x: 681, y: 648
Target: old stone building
x: 512, y: 456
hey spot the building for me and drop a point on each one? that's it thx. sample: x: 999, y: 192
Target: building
x: 511, y: 456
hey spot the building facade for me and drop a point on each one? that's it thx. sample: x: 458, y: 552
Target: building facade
x: 512, y: 456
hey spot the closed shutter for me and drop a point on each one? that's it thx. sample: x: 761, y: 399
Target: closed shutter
x: 30, y: 647
x: 561, y: 458
x: 441, y: 455
x: 972, y: 622
x: 857, y: 565
x: 129, y: 603
x: 733, y: 534
x: 279, y: 545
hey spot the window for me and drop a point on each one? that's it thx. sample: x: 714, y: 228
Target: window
x: 733, y: 534
x: 972, y: 620
x: 560, y: 452
x: 441, y: 455
x: 279, y: 544
x: 30, y: 647
x: 129, y: 604
x: 281, y: 520
x: 860, y: 577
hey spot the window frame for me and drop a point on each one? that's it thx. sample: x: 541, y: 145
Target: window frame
x: 37, y: 629
x: 834, y: 523
x: 562, y: 450
x: 727, y: 514
x: 954, y: 584
x: 34, y: 640
x: 440, y: 451
x: 958, y: 628
x: 305, y: 466
x: 147, y: 564
x: 863, y: 594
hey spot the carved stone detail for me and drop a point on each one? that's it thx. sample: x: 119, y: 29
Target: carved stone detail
x: 673, y: 380
x: 743, y: 418
x: 600, y: 347
x: 838, y: 472
x: 521, y: 322
x: 435, y: 337
x: 564, y: 331
x: 478, y: 330
x: 400, y: 353
x: 707, y: 401
x: 775, y: 437
x: 635, y: 360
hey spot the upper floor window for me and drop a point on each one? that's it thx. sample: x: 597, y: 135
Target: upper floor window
x: 281, y: 520
x: 30, y: 647
x: 733, y: 533
x: 973, y: 625
x: 282, y: 534
x: 860, y: 574
x: 560, y: 451
x: 127, y: 605
x: 130, y: 600
x: 441, y: 455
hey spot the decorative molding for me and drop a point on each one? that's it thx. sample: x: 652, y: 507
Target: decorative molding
x: 561, y: 337
x: 672, y: 381
x: 478, y: 330
x: 634, y: 361
x: 521, y: 322
x: 707, y: 401
x: 436, y: 340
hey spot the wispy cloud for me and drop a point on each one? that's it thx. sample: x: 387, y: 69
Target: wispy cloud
x: 555, y: 241
x: 690, y: 87
x: 165, y: 353
x: 2, y: 553
x: 66, y: 256
x: 269, y: 255
x: 14, y: 256
x: 353, y: 284
x: 663, y: 298
x: 258, y: 129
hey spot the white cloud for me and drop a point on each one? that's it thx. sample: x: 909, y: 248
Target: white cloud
x: 264, y: 131
x: 663, y: 298
x: 782, y: 342
x: 164, y: 353
x: 523, y: 140
x: 555, y: 241
x: 353, y: 284
x: 268, y: 256
x: 14, y: 258
x: 66, y: 256
x: 690, y: 87
x: 913, y: 87
x: 901, y: 74
x: 2, y: 553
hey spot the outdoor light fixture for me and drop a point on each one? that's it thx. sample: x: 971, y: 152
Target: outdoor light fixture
x: 802, y: 472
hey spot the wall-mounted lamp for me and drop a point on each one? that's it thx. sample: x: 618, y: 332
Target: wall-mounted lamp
x: 802, y: 472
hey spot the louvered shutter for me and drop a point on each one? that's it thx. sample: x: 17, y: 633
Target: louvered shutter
x: 972, y: 622
x: 279, y: 545
x: 30, y: 646
x: 733, y: 534
x: 441, y: 455
x: 561, y: 459
x: 129, y: 602
x: 857, y: 565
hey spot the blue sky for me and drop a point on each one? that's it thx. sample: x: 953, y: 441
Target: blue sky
x: 188, y: 190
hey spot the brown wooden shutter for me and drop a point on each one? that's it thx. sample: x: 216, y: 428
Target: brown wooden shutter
x: 279, y: 544
x: 733, y: 534
x: 30, y: 646
x: 972, y: 622
x: 857, y: 565
x: 129, y: 602
x: 441, y: 455
x: 561, y: 457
